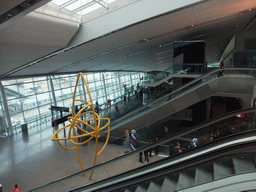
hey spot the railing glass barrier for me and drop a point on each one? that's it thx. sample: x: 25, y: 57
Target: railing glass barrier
x: 158, y: 76
x: 171, y: 145
x: 229, y: 72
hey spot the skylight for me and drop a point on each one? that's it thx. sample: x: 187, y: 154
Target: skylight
x: 82, y: 7
x: 59, y: 2
x: 89, y: 9
x: 77, y: 4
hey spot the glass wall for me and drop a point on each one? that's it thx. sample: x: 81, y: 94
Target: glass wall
x: 29, y: 100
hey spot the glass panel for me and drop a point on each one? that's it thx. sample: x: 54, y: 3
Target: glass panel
x: 56, y: 83
x: 29, y: 102
x: 14, y: 105
x: 58, y: 95
x: 77, y: 4
x: 90, y: 9
x: 41, y: 86
x: 43, y: 99
x: 60, y: 103
x: 97, y: 76
x: 45, y: 110
x: 65, y: 82
x: 31, y: 114
x: 59, y: 2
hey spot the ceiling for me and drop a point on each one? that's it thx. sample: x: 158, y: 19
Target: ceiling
x: 36, y: 46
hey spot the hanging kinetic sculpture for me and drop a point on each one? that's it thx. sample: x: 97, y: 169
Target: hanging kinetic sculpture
x: 76, y: 122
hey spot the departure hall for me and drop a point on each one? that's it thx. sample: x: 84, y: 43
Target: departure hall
x: 127, y: 95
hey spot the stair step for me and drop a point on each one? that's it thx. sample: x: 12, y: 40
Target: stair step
x: 243, y: 163
x: 204, y: 173
x: 154, y: 187
x: 140, y: 188
x: 223, y: 167
x: 185, y: 180
x: 169, y: 185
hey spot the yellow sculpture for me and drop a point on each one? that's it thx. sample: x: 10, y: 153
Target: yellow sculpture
x: 74, y: 123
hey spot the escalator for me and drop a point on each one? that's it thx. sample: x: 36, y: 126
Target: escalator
x: 237, y: 83
x: 226, y: 151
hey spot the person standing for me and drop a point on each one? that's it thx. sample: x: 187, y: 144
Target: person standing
x: 146, y: 155
x: 16, y: 188
x: 140, y: 158
x: 171, y: 150
x: 156, y: 147
x: 150, y: 150
x: 178, y: 147
x: 221, y: 68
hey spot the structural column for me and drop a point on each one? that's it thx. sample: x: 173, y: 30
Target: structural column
x: 52, y: 90
x: 104, y: 86
x: 120, y: 87
x: 7, y: 113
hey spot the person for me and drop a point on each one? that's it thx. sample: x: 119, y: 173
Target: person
x: 178, y: 147
x: 140, y: 158
x: 150, y: 150
x: 156, y: 147
x: 171, y: 150
x: 194, y: 142
x: 221, y: 68
x: 16, y: 188
x: 146, y: 155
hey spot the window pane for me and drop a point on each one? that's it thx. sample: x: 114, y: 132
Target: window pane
x: 43, y: 99
x: 41, y: 86
x: 14, y: 106
x: 31, y: 114
x: 29, y: 102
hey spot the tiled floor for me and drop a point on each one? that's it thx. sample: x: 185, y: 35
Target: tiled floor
x: 34, y: 160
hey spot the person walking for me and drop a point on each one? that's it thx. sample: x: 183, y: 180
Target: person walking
x: 140, y: 158
x: 16, y: 188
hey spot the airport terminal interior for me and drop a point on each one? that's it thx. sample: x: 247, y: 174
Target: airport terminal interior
x: 128, y: 95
